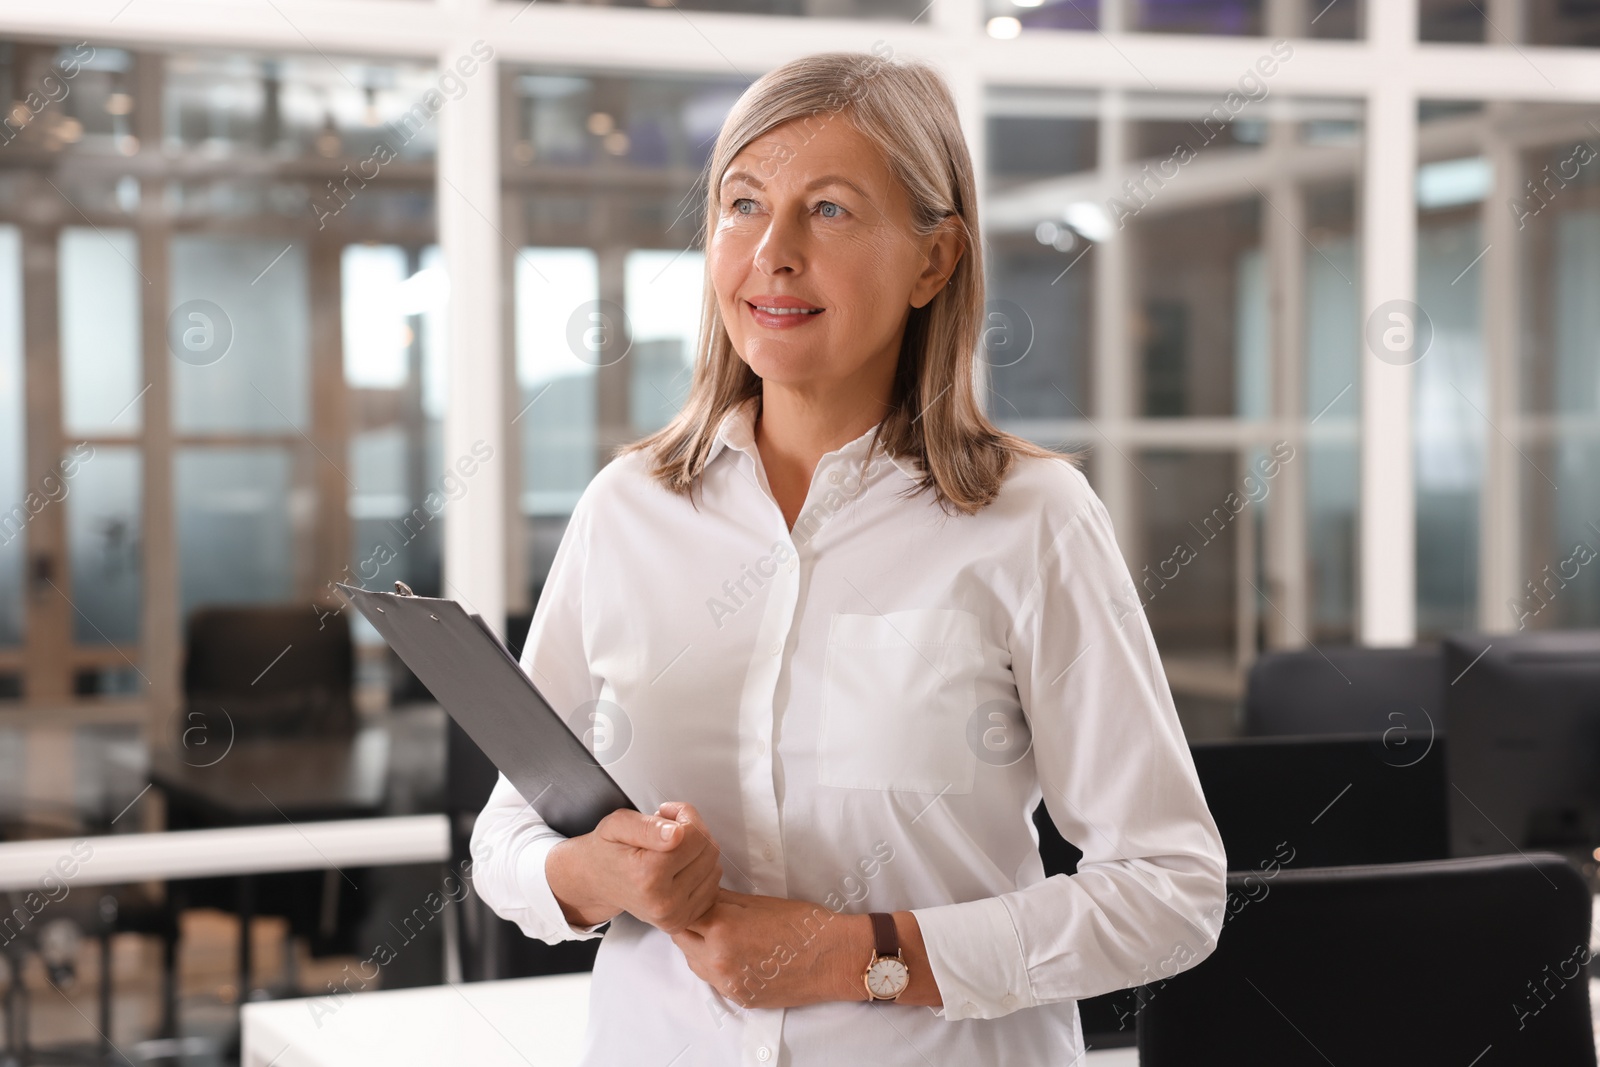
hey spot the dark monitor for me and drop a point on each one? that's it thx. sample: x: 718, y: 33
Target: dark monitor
x: 1523, y: 715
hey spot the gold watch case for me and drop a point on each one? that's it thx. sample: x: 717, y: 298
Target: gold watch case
x: 887, y: 977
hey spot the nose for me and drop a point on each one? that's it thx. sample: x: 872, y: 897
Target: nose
x: 780, y: 247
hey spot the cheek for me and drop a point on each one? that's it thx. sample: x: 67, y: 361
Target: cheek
x: 727, y: 277
x: 871, y: 267
x: 866, y: 284
x: 726, y: 267
x: 723, y: 285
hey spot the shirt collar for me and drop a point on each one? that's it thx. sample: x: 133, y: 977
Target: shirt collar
x: 737, y: 431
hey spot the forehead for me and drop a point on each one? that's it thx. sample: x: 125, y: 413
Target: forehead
x: 803, y: 149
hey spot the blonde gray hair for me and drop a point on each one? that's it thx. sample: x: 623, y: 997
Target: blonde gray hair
x: 935, y: 417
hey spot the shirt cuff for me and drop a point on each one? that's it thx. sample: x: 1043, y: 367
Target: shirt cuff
x: 976, y: 959
x: 542, y: 900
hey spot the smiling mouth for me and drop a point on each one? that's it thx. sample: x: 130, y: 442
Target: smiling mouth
x: 787, y: 311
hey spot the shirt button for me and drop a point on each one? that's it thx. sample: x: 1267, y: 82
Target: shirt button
x: 763, y: 1053
x: 791, y: 565
x: 1009, y: 1001
x: 776, y: 648
x: 767, y: 851
x: 835, y: 477
x: 969, y: 1006
x: 761, y: 746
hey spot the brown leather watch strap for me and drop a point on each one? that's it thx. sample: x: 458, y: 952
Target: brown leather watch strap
x: 884, y: 933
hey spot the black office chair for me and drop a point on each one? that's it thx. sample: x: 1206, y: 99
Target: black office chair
x: 1308, y: 801
x: 1344, y: 691
x: 278, y: 670
x: 1337, y: 800
x: 1451, y: 961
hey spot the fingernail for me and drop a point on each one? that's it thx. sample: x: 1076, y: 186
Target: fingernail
x: 667, y: 828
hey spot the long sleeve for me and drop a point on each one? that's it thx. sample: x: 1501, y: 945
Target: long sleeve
x: 1118, y: 780
x: 510, y: 840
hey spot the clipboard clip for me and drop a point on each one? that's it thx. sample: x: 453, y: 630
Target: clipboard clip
x: 402, y: 589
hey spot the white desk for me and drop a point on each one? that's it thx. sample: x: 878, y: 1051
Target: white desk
x: 523, y: 1022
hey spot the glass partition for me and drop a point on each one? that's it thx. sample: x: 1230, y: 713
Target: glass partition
x: 664, y: 295
x: 1220, y: 236
x: 239, y: 328
x: 104, y: 541
x: 102, y: 380
x: 1554, y: 213
x: 393, y: 305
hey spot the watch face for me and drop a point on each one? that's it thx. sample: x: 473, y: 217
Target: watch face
x: 887, y: 977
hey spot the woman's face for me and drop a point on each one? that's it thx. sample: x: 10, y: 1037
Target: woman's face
x: 810, y: 215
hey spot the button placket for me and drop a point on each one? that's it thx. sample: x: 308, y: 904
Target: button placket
x: 763, y: 1027
x: 780, y: 621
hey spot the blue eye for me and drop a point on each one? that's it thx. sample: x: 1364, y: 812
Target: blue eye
x: 821, y: 206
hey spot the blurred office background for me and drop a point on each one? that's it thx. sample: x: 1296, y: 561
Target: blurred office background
x: 270, y: 275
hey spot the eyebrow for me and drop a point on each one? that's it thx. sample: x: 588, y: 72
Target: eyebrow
x: 817, y: 183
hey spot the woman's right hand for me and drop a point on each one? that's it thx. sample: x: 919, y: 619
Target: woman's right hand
x: 626, y: 864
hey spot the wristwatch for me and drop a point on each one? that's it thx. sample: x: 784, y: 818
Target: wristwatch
x: 887, y: 975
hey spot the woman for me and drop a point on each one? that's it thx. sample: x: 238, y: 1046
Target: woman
x: 846, y: 634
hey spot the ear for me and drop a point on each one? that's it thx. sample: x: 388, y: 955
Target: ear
x: 941, y: 251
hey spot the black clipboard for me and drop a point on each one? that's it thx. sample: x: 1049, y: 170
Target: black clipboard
x: 477, y: 681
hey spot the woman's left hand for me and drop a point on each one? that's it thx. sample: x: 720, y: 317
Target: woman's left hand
x: 768, y: 952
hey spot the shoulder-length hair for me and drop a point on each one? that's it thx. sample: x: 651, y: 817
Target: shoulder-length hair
x: 934, y: 417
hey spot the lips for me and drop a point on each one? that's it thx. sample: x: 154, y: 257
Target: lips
x: 777, y: 302
x: 769, y: 309
x: 780, y: 312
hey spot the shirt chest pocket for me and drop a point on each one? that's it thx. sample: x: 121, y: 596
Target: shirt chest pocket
x: 898, y: 691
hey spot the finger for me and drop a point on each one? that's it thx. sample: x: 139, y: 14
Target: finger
x: 642, y: 831
x: 689, y: 855
x: 685, y: 812
x: 692, y: 892
x: 669, y: 808
x: 696, y: 840
x: 693, y: 842
x: 701, y: 924
x: 701, y: 901
x: 701, y: 864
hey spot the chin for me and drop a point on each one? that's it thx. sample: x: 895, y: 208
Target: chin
x: 779, y: 367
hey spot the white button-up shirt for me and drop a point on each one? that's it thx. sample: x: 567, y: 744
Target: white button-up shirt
x: 867, y: 710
